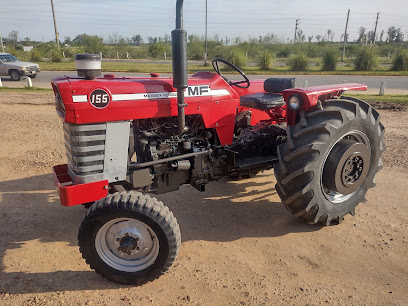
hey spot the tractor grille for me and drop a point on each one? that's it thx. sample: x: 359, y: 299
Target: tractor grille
x: 85, y: 145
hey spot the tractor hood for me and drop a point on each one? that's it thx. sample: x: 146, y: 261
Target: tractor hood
x: 112, y: 98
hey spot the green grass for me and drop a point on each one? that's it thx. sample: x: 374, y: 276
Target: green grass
x: 377, y: 98
x: 140, y: 67
x: 25, y: 89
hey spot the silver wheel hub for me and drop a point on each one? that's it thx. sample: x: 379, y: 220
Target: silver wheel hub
x: 127, y: 244
x: 345, y: 166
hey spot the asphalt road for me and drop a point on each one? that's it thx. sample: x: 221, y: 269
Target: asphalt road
x: 394, y: 84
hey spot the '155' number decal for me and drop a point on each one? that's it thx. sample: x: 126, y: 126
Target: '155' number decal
x: 99, y: 98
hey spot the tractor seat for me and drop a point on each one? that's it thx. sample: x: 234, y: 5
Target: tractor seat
x: 262, y: 100
x: 271, y: 98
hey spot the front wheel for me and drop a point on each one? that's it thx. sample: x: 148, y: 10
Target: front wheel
x: 329, y: 160
x: 129, y: 238
x: 15, y: 75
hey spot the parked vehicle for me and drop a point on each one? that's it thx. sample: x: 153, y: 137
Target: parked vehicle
x: 13, y: 67
x: 127, y: 138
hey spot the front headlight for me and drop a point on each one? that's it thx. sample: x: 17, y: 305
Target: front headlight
x: 295, y: 102
x: 24, y: 68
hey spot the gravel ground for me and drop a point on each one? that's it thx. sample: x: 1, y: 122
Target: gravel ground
x: 240, y: 245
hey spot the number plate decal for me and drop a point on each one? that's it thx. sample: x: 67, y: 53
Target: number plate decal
x: 99, y: 98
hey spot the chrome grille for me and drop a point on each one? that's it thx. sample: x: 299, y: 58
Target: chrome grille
x: 85, y: 146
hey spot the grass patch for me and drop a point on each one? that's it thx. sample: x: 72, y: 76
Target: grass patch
x: 25, y: 89
x: 377, y: 98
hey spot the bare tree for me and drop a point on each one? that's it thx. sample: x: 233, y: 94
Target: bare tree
x: 12, y: 37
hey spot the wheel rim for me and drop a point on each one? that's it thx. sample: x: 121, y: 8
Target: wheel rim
x: 345, y: 166
x: 127, y: 244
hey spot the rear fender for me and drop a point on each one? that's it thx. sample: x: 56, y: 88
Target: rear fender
x: 311, y: 95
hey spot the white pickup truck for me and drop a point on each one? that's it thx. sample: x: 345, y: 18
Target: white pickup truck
x: 13, y: 67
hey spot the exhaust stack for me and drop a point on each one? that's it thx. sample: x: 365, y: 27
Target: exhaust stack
x: 180, y: 77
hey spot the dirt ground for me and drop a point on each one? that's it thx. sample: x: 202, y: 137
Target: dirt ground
x: 240, y: 245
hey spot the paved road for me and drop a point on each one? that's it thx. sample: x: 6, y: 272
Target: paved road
x: 394, y: 84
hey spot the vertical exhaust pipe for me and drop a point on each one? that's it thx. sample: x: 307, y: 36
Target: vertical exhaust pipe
x: 180, y: 77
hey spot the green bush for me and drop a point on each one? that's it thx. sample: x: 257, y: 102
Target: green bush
x: 351, y: 50
x: 400, y: 61
x: 56, y: 56
x: 298, y: 62
x: 330, y: 59
x: 365, y: 59
x: 196, y: 50
x: 265, y: 60
x: 157, y: 50
x: 35, y: 56
x: 237, y: 58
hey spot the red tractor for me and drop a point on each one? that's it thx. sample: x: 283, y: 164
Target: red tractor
x: 126, y: 138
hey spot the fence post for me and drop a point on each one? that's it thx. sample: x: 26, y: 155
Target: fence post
x: 29, y: 82
x: 382, y: 88
x: 1, y: 84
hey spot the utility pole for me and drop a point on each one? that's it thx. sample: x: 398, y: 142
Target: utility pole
x: 375, y: 29
x: 296, y: 28
x: 345, y: 37
x: 206, y: 23
x: 1, y: 42
x: 55, y: 24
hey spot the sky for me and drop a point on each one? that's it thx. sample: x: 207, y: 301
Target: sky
x: 231, y: 18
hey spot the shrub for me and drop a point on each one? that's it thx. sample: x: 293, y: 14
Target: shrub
x: 400, y: 61
x: 56, y: 56
x: 237, y: 58
x: 365, y: 59
x: 298, y: 62
x: 35, y: 56
x: 157, y: 50
x: 330, y: 59
x: 265, y: 60
x: 196, y: 50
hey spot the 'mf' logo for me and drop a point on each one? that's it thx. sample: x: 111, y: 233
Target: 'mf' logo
x: 203, y: 90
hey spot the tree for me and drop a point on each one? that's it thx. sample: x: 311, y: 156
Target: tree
x: 136, y: 40
x: 381, y: 35
x: 318, y: 37
x: 361, y: 35
x: 12, y: 37
x: 330, y: 35
x: 67, y: 40
x: 91, y: 43
x: 167, y: 38
x: 152, y: 40
x: 395, y: 35
x: 310, y: 38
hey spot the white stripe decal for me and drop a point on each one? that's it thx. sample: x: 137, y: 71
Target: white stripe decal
x: 191, y: 91
x: 83, y: 98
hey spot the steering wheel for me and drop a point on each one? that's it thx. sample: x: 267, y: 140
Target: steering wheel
x: 217, y: 70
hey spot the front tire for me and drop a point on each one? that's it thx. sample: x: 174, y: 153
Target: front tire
x: 15, y: 75
x: 329, y: 160
x: 129, y: 238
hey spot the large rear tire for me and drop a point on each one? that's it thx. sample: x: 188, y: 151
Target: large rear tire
x: 329, y: 160
x: 129, y: 238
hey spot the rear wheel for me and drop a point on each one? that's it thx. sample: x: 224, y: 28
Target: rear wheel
x: 329, y: 160
x: 129, y: 238
x: 15, y: 75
